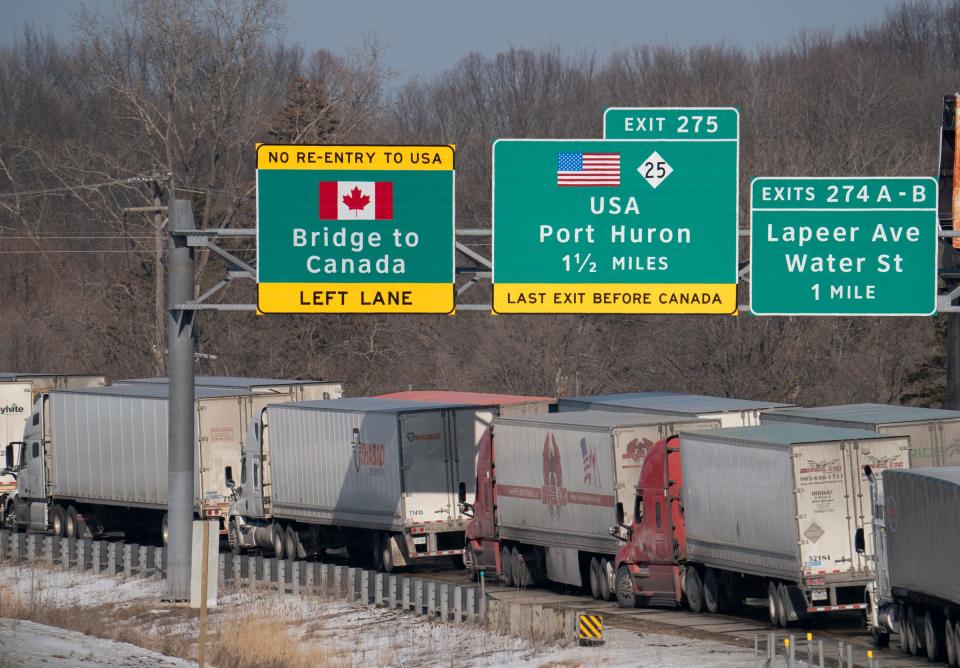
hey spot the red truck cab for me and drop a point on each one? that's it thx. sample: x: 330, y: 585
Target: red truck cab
x: 647, y: 566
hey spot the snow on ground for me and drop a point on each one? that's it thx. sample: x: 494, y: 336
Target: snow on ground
x: 341, y: 633
x: 29, y: 644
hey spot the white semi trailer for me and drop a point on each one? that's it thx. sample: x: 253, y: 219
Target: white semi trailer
x: 287, y: 390
x: 95, y: 461
x: 729, y: 411
x: 378, y: 476
x: 17, y: 394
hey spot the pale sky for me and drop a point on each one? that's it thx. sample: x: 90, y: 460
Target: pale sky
x: 424, y: 37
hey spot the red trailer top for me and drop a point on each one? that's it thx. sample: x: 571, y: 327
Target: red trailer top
x: 476, y: 398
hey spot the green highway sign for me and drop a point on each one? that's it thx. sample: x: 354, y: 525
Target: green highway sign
x: 355, y: 229
x: 843, y: 246
x: 672, y: 123
x: 645, y: 225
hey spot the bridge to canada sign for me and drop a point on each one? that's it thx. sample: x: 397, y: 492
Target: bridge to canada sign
x: 355, y: 229
x: 644, y: 221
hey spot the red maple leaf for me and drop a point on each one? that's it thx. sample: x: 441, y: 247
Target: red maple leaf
x: 356, y: 200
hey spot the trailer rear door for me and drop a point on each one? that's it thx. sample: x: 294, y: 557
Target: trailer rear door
x: 425, y: 464
x: 826, y: 513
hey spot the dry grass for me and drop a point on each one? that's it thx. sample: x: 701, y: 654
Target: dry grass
x: 256, y: 639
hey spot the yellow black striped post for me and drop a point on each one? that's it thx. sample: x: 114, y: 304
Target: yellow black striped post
x: 590, y: 629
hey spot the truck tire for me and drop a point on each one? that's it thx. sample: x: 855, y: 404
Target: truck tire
x: 956, y: 643
x: 233, y: 537
x: 790, y: 598
x: 607, y: 591
x: 693, y: 588
x: 506, y: 567
x: 164, y: 531
x: 279, y: 538
x: 933, y: 637
x: 711, y: 592
x: 595, y: 578
x: 902, y: 628
x: 950, y: 639
x: 387, y: 552
x: 773, y: 600
x: 73, y: 523
x: 58, y: 521
x: 377, y: 539
x: 624, y: 589
x: 913, y: 639
x: 292, y: 544
x: 521, y: 572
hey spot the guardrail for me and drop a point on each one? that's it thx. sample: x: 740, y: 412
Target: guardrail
x: 420, y: 595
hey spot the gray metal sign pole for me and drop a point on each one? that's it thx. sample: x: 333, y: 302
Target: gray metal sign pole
x: 181, y: 441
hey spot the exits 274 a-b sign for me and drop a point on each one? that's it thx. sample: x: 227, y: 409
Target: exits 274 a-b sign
x: 355, y: 229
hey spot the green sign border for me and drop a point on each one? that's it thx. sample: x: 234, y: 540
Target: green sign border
x: 936, y: 248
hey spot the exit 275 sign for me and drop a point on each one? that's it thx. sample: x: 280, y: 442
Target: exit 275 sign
x: 843, y: 246
x: 355, y: 229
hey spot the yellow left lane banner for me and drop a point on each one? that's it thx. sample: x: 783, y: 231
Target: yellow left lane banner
x: 355, y: 298
x: 358, y: 157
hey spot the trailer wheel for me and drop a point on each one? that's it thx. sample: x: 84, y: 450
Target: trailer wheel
x: 773, y: 599
x: 711, y: 592
x: 595, y: 578
x: 608, y: 587
x: 624, y: 589
x: 278, y: 540
x: 377, y: 540
x: 387, y: 552
x: 522, y: 577
x: 292, y: 545
x: 950, y: 639
x: 72, y: 522
x: 913, y: 638
x: 58, y: 521
x: 164, y: 531
x: 233, y: 537
x: 693, y: 588
x: 933, y: 638
x: 506, y: 567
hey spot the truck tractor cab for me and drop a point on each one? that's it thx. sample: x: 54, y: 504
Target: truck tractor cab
x: 647, y: 565
x: 248, y: 522
x: 482, y: 549
x: 26, y: 506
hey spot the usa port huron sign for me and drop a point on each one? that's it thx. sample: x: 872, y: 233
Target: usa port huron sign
x: 843, y: 246
x: 355, y: 229
x: 642, y: 223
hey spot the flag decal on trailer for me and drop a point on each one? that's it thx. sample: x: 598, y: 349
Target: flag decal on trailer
x: 356, y: 200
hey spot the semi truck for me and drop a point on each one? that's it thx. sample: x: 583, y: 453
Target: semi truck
x: 94, y: 461
x: 549, y: 489
x: 934, y: 434
x: 730, y: 412
x: 380, y: 477
x: 916, y: 542
x: 288, y: 390
x: 777, y: 511
x: 17, y: 393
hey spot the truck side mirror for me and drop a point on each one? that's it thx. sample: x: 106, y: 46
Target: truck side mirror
x: 8, y: 457
x: 462, y: 492
x: 619, y: 513
x: 859, y: 542
x: 228, y: 477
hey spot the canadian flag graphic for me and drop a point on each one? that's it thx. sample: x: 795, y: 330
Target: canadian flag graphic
x: 356, y: 200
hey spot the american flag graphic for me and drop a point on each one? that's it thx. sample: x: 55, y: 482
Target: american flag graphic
x: 588, y: 169
x: 589, y: 464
